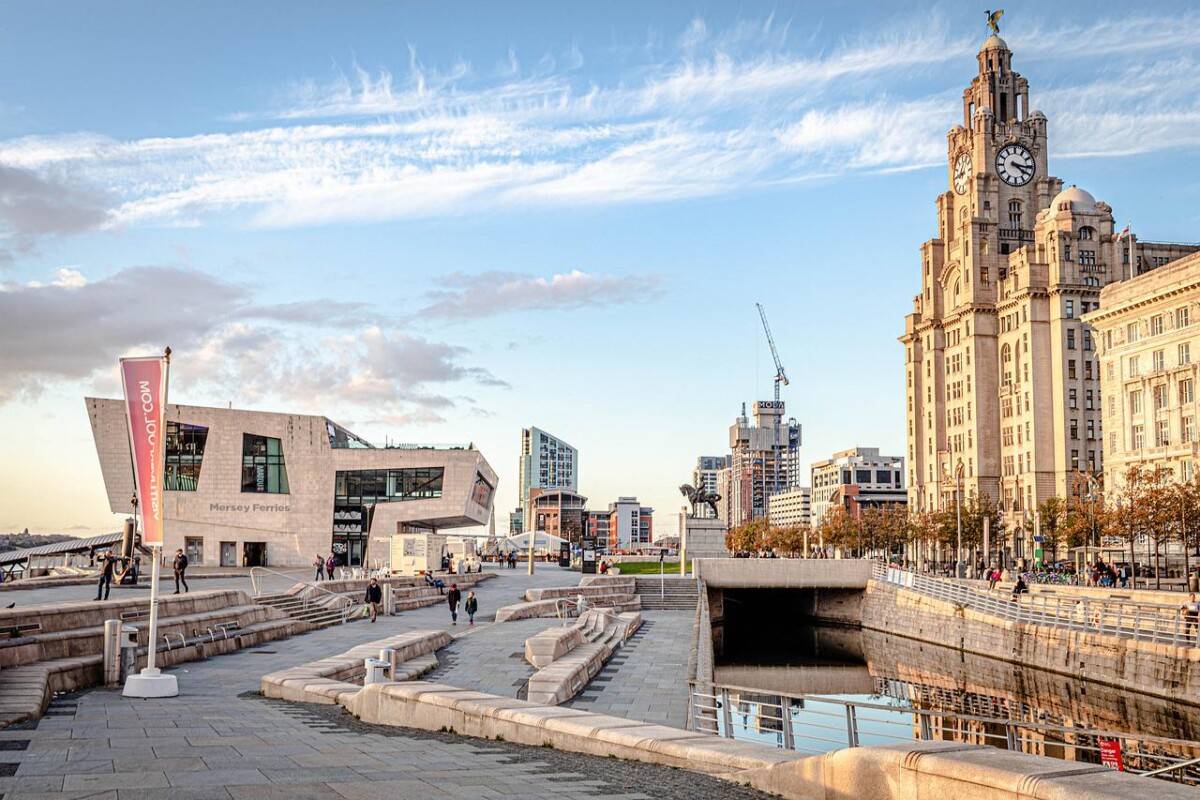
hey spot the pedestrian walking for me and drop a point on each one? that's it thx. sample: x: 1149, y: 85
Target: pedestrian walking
x: 471, y: 606
x: 993, y: 578
x: 374, y: 597
x: 179, y: 566
x: 107, y: 564
x: 452, y: 598
x: 1191, y: 615
x: 319, y: 563
x: 330, y: 565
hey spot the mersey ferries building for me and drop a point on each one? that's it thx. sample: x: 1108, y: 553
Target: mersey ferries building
x: 1002, y: 376
x: 248, y: 488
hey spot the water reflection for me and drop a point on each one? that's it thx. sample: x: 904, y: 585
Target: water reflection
x: 875, y: 667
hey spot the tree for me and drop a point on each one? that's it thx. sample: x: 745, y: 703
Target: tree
x: 838, y: 528
x: 787, y: 539
x: 1052, y: 513
x: 747, y: 538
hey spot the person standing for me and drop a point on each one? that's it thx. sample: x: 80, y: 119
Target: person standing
x: 319, y: 563
x: 471, y: 606
x: 374, y: 597
x: 452, y: 598
x: 179, y: 566
x: 330, y: 565
x: 1191, y: 615
x: 107, y: 564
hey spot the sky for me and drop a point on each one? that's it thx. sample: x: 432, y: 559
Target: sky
x: 441, y: 223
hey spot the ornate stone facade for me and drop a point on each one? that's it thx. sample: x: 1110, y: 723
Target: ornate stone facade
x: 1002, y: 378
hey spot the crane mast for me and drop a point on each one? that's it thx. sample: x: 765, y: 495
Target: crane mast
x: 780, y: 378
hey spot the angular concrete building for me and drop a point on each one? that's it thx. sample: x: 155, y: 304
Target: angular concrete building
x: 251, y: 488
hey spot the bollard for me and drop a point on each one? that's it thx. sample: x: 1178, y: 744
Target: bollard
x: 129, y: 647
x: 389, y: 601
x: 112, y: 652
x: 374, y: 671
x: 388, y: 656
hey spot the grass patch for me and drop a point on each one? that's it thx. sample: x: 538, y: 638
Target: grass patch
x: 649, y: 568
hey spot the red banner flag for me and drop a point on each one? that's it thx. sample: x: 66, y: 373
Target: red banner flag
x: 145, y: 383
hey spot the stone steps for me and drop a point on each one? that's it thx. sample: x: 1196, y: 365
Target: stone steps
x: 667, y: 594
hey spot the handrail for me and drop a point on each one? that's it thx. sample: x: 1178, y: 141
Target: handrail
x: 1132, y: 619
x: 789, y: 716
x: 292, y: 578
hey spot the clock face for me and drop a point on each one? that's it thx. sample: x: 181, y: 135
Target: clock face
x: 962, y: 173
x: 1015, y: 165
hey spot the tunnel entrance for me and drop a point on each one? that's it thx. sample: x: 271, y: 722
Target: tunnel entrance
x: 787, y: 626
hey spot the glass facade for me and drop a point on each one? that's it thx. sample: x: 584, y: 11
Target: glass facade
x: 340, y: 438
x: 184, y: 453
x: 356, y: 492
x: 263, y: 470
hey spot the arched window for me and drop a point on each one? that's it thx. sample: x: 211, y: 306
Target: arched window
x: 1014, y: 213
x: 1087, y: 233
x: 1006, y: 363
x: 962, y: 215
x: 957, y: 289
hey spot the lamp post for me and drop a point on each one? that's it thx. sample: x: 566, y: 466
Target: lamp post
x: 1093, y: 487
x: 958, y: 487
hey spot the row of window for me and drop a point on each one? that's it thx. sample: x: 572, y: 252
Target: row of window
x: 1158, y: 361
x: 1162, y: 433
x: 1155, y: 326
x: 364, y: 486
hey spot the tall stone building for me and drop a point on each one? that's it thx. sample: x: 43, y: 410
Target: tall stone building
x: 1002, y: 378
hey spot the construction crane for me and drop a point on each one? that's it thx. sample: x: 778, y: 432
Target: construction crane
x: 780, y: 377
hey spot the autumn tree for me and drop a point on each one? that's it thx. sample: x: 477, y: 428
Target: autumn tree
x: 747, y: 538
x: 787, y: 539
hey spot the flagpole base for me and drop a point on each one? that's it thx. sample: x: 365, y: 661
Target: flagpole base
x: 149, y: 684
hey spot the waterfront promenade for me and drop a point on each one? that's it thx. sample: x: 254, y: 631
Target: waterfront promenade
x: 219, y: 739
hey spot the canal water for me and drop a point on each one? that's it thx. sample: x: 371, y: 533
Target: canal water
x: 877, y: 669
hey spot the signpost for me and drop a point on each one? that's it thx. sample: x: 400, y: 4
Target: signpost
x: 144, y: 381
x: 1110, y: 754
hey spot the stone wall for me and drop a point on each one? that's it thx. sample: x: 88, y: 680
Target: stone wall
x: 1155, y: 669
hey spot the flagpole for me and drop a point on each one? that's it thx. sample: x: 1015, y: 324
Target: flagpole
x: 151, y: 682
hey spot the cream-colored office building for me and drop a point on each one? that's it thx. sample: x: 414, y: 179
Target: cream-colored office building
x: 252, y: 488
x: 1002, y: 375
x: 790, y: 508
x: 1148, y: 330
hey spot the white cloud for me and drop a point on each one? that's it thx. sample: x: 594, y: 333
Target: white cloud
x: 722, y: 111
x: 489, y: 293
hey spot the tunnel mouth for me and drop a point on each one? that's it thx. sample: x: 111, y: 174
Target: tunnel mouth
x: 791, y: 627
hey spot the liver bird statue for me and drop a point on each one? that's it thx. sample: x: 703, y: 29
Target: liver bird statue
x: 993, y: 19
x: 698, y: 495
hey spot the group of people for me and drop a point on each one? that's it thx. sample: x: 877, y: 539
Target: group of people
x: 325, y: 566
x: 374, y: 599
x: 109, y: 564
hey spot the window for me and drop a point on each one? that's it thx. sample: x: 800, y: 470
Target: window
x: 1135, y: 401
x: 1160, y: 397
x: 984, y: 277
x: 1162, y: 433
x: 184, y: 453
x: 1091, y: 429
x: 1185, y: 353
x: 1110, y: 370
x: 1066, y: 252
x: 1071, y: 368
x: 1090, y: 400
x: 1134, y: 371
x: 1070, y: 309
x: 1087, y: 258
x: 1014, y: 213
x: 1112, y: 405
x: 1156, y: 325
x: 1187, y: 433
x: 1157, y: 361
x: 1185, y: 391
x: 1131, y: 332
x: 359, y: 487
x: 1087, y: 342
x: 1086, y: 234
x: 1072, y: 398
x: 1074, y: 459
x: 481, y: 494
x: 262, y: 465
x: 1074, y: 429
x: 1183, y: 317
x: 1070, y: 340
x: 1137, y: 437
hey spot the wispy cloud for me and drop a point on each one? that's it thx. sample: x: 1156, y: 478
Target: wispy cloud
x: 490, y: 293
x: 715, y: 111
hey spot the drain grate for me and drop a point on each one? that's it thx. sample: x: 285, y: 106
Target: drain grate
x: 7, y: 770
x: 14, y: 744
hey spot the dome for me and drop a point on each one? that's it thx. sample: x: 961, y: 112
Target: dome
x: 1075, y: 198
x: 1035, y: 114
x: 994, y: 42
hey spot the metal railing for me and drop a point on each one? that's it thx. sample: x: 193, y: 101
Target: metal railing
x: 564, y: 608
x: 817, y: 724
x: 1141, y: 621
x: 306, y: 598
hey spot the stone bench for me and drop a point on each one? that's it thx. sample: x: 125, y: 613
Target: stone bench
x: 326, y: 680
x: 568, y: 658
x: 543, y: 649
x: 549, y: 608
x: 615, y: 586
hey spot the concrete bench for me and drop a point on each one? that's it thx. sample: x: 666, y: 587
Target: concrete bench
x: 568, y: 658
x: 549, y: 608
x: 615, y: 586
x: 543, y: 649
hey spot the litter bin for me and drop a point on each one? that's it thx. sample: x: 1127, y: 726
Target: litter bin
x: 1194, y: 582
x: 388, y: 656
x: 129, y: 648
x: 376, y: 671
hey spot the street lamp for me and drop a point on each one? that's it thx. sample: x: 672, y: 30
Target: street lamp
x: 958, y: 482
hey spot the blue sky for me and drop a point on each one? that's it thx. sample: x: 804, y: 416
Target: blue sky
x: 441, y: 224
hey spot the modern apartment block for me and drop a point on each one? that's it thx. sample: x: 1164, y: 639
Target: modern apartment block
x: 855, y: 479
x: 764, y: 460
x: 1148, y: 333
x: 546, y: 462
x: 630, y: 525
x: 790, y: 508
x: 252, y: 488
x: 1002, y: 377
x: 597, y: 529
x: 707, y: 474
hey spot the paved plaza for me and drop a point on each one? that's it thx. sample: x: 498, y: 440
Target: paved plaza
x: 220, y: 739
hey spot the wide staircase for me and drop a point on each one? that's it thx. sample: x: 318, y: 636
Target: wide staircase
x: 667, y: 593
